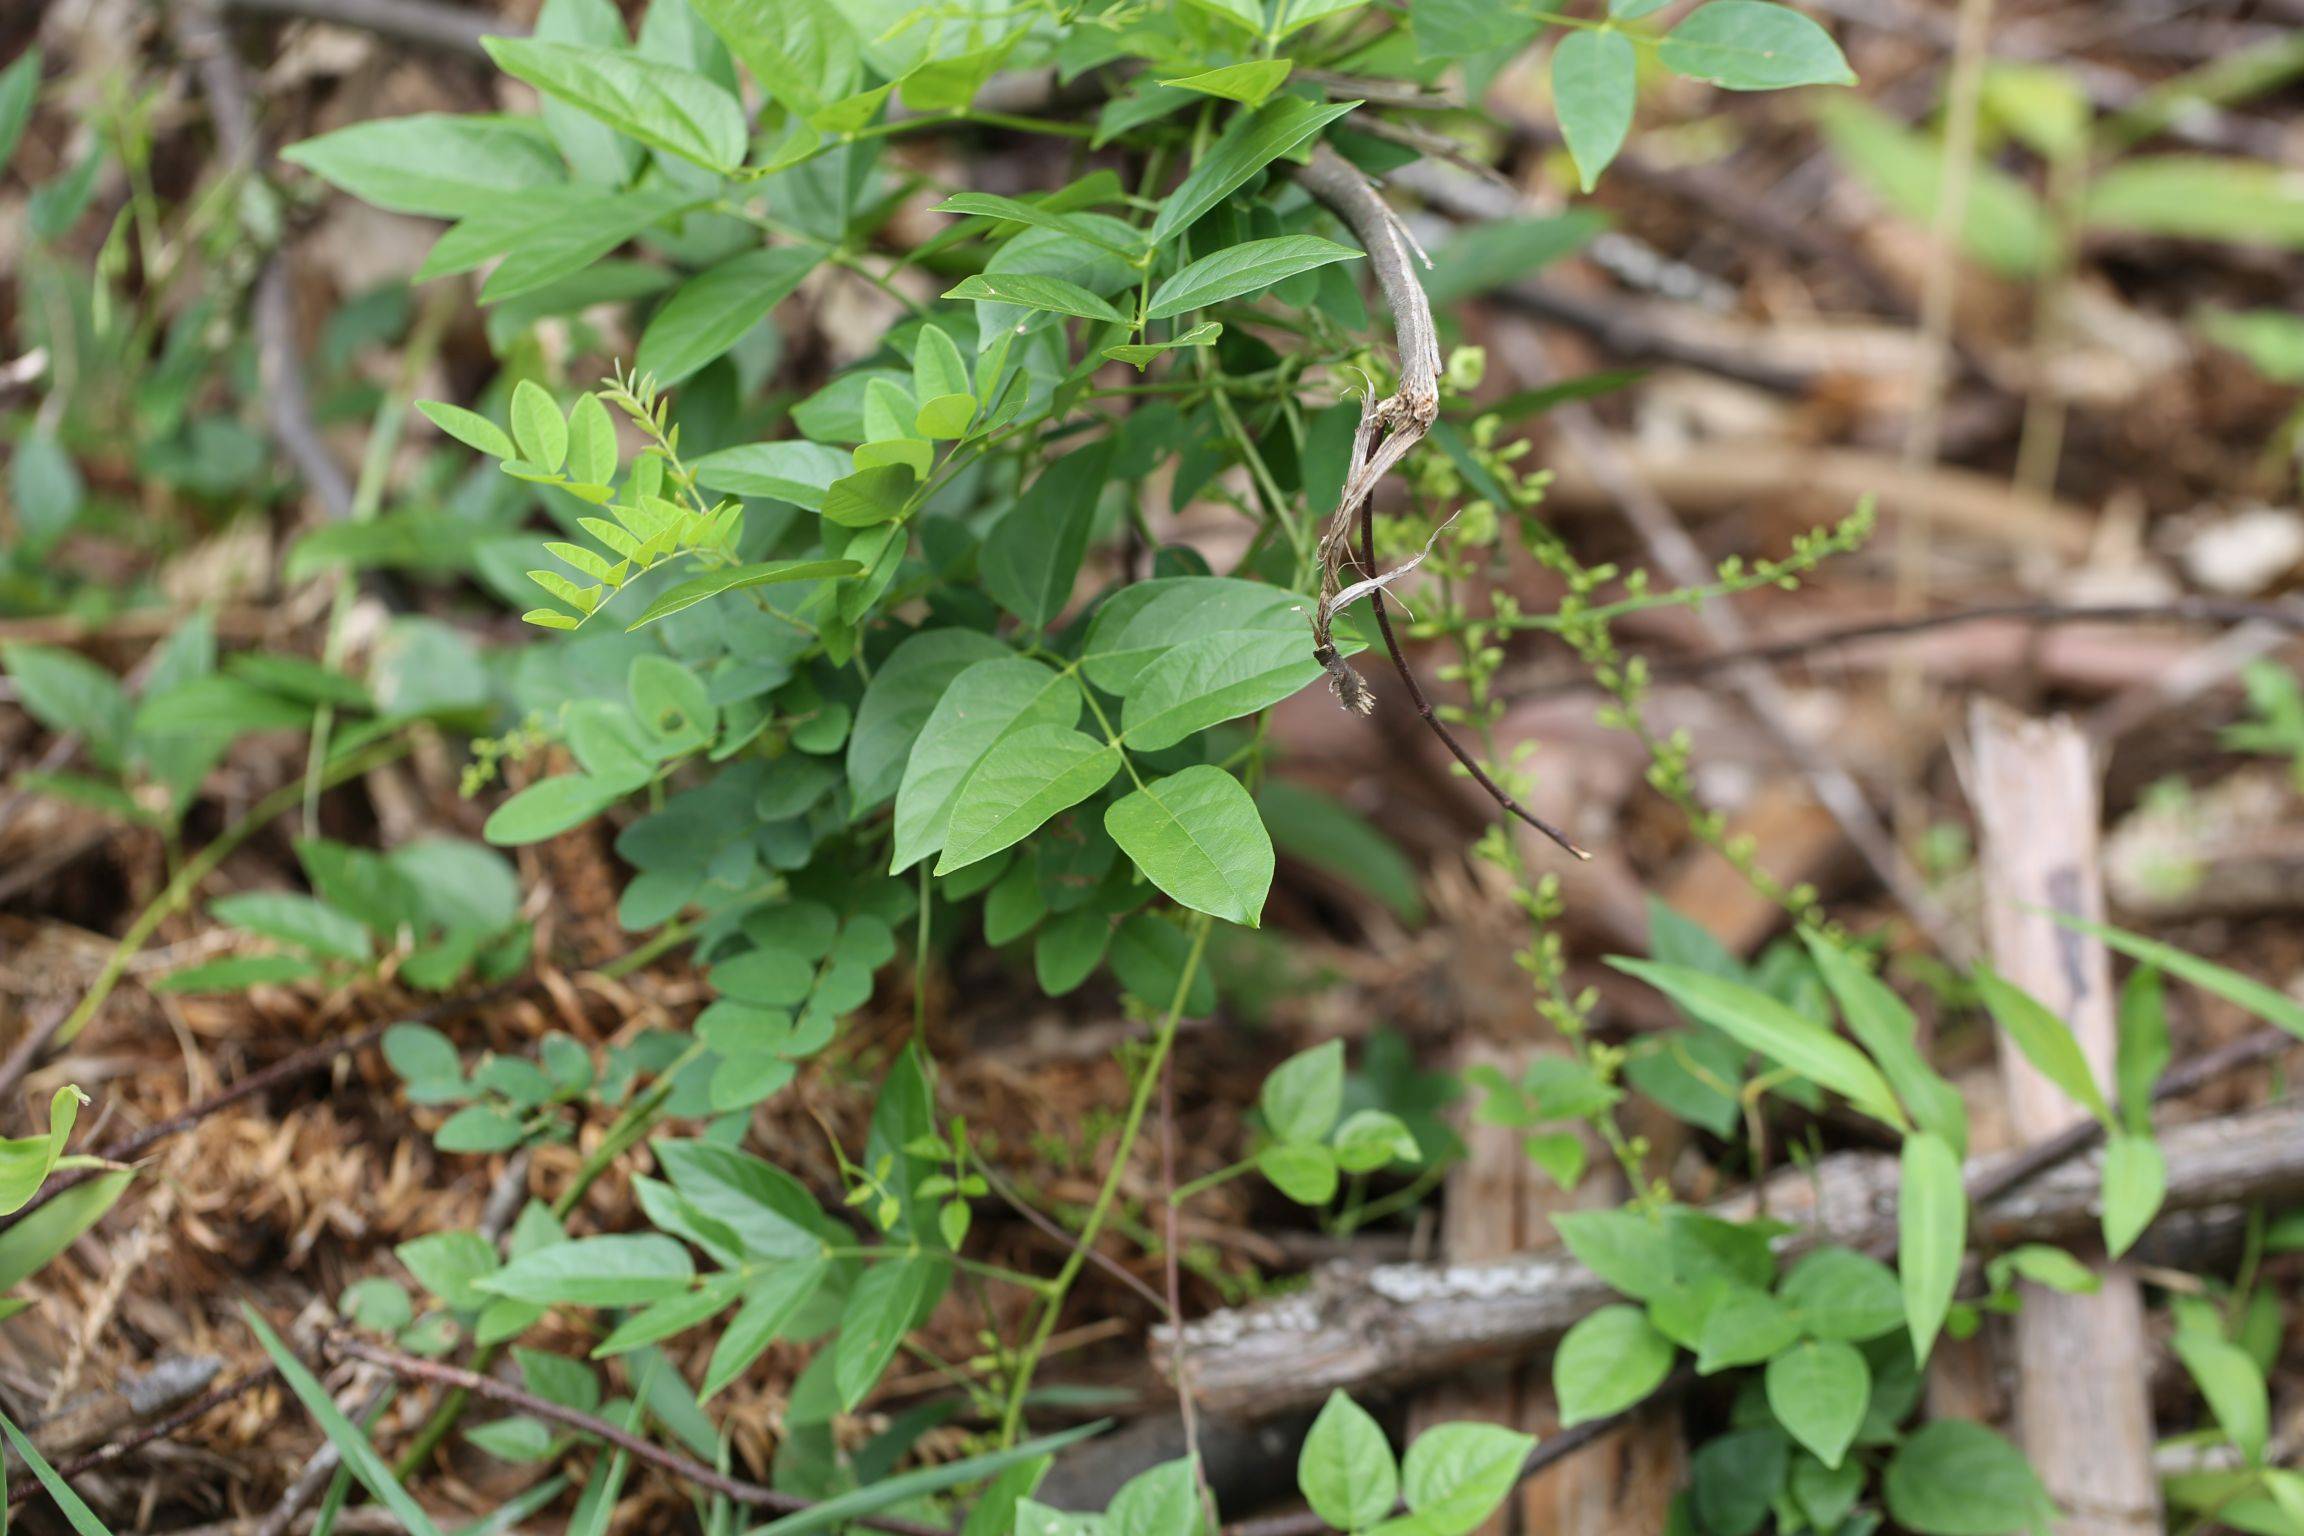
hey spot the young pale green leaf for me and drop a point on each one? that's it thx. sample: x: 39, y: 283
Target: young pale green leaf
x: 1055, y: 295
x: 2043, y: 1265
x: 1610, y: 1360
x: 737, y: 578
x: 1369, y: 1139
x: 1292, y: 15
x: 1840, y: 1294
x: 796, y: 471
x: 617, y: 1270
x: 26, y: 1161
x: 1886, y: 1029
x: 1305, y: 1172
x: 468, y: 427
x: 1954, y: 1477
x: 29, y: 1242
x: 1345, y: 1470
x: 548, y: 808
x: 1756, y: 1020
x: 1031, y: 558
x: 986, y: 701
x: 433, y: 164
x: 591, y: 442
x: 1196, y: 835
x: 1250, y: 82
x: 940, y: 384
x: 1249, y: 143
x: 713, y: 310
x: 353, y: 1446
x: 1245, y: 268
x: 2233, y: 1384
x: 2135, y: 1182
x: 1750, y: 45
x: 1026, y: 778
x: 1817, y: 1392
x: 1456, y: 1475
x: 2046, y: 1041
x: 661, y: 105
x: 1164, y: 1501
x: 1304, y: 1094
x: 1932, y: 1232
x: 1595, y: 82
x: 538, y: 427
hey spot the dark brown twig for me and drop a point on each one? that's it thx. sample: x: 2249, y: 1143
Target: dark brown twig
x: 158, y: 1429
x: 439, y: 1373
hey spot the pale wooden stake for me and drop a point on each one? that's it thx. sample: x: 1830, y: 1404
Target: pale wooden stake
x: 2082, y: 1409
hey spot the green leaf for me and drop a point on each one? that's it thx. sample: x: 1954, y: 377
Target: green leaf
x: 1345, y: 1469
x: 1459, y: 29
x: 32, y: 1240
x: 1331, y: 837
x: 1250, y: 83
x: 1370, y: 1139
x: 76, y: 1513
x: 1215, y: 678
x: 2199, y: 197
x: 1032, y: 556
x: 26, y: 1161
x: 1840, y: 1294
x: 1250, y: 142
x: 874, y: 494
x: 1953, y: 1477
x: 1138, y: 355
x: 1028, y: 776
x: 2043, y: 1265
x: 433, y: 164
x: 1610, y: 1360
x: 796, y: 471
x: 1817, y: 1392
x: 1595, y: 81
x: 984, y: 702
x: 1748, y: 45
x: 47, y: 486
x: 770, y: 1304
x: 885, y: 1305
x: 1304, y: 1172
x: 548, y: 808
x: 803, y: 52
x: 70, y: 695
x: 898, y: 700
x: 1304, y: 1094
x: 713, y: 310
x: 1755, y: 1020
x: 987, y: 205
x: 2266, y: 1003
x: 2233, y: 1385
x: 451, y: 1265
x: 538, y: 427
x: 19, y: 88
x: 940, y: 384
x: 591, y: 442
x: 619, y: 1270
x: 1886, y: 1029
x: 1736, y: 1478
x: 664, y: 107
x: 1244, y: 268
x: 2144, y: 1048
x: 1292, y: 15
x: 737, y: 578
x: 2005, y: 227
x: 1743, y: 1327
x: 294, y: 919
x: 1932, y: 1233
x: 1495, y: 255
x: 353, y: 1446
x: 902, y: 1489
x: 1196, y: 835
x: 1055, y: 295
x: 1068, y: 950
x: 1139, y: 624
x: 237, y: 973
x: 2046, y: 1041
x: 1163, y: 1501
x: 1456, y: 1475
x: 2135, y: 1183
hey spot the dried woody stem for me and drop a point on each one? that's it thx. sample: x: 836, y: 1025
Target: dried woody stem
x: 1389, y: 428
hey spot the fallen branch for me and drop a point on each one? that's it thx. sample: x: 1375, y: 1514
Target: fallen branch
x: 1371, y: 1328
